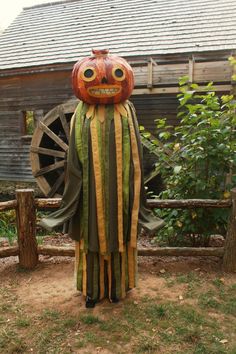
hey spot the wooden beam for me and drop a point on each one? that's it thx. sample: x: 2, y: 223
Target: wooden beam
x: 26, y: 228
x: 49, y: 152
x: 174, y: 90
x: 154, y: 203
x: 56, y: 185
x: 11, y: 204
x: 191, y: 69
x: 47, y: 203
x: 189, y: 203
x: 64, y: 123
x: 145, y: 252
x: 9, y: 251
x: 53, y: 136
x: 150, y: 74
x: 49, y: 168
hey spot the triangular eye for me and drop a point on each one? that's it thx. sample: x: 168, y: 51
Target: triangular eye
x: 118, y: 74
x: 89, y: 74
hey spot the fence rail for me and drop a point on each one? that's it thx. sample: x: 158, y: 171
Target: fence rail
x: 28, y: 250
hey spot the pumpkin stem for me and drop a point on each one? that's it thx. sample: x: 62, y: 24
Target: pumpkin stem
x: 100, y: 52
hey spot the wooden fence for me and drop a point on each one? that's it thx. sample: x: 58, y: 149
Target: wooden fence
x: 28, y: 250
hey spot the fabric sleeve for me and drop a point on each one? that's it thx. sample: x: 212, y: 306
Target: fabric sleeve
x: 70, y: 199
x: 147, y: 220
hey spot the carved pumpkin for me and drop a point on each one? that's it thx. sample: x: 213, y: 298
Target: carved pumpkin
x: 102, y: 78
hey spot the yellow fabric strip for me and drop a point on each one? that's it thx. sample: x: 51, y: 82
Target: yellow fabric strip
x: 101, y: 278
x: 119, y: 174
x: 101, y: 113
x: 123, y: 290
x: 81, y: 244
x: 99, y: 187
x: 137, y: 181
x: 121, y: 109
x: 76, y: 268
x: 90, y: 111
x: 131, y: 267
x: 109, y: 277
x: 84, y: 275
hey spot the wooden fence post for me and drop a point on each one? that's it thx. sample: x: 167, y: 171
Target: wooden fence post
x: 26, y: 228
x: 229, y: 258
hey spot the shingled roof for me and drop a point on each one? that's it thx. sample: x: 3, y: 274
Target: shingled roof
x: 64, y: 31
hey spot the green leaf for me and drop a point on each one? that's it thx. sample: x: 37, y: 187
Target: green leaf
x: 183, y: 80
x: 177, y: 169
x: 234, y: 77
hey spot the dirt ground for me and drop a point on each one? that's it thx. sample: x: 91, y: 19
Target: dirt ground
x: 52, y: 285
x: 42, y: 312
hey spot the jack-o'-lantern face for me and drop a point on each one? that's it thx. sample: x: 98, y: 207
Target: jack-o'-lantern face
x: 102, y: 79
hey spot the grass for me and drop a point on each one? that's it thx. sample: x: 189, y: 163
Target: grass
x: 203, y: 324
x: 8, y: 229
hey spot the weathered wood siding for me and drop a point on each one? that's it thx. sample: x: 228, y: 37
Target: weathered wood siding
x: 25, y: 93
x: 43, y: 92
x: 46, y: 89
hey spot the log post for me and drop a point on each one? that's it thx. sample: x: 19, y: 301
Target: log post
x: 26, y: 228
x: 229, y: 259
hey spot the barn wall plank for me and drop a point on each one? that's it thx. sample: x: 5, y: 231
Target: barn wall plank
x: 45, y: 90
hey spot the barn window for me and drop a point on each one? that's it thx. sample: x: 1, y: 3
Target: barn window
x: 29, y: 122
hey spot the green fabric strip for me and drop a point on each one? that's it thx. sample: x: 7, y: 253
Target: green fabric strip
x: 126, y: 270
x: 95, y: 276
x: 126, y: 175
x: 109, y: 114
x: 101, y: 147
x: 78, y: 130
x: 85, y: 146
x: 117, y: 273
x: 79, y: 146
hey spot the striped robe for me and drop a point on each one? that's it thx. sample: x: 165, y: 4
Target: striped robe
x: 104, y: 199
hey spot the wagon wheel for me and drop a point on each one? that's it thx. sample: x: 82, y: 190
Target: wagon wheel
x: 49, y: 147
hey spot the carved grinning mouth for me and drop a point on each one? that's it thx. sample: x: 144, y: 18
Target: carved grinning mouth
x: 105, y: 91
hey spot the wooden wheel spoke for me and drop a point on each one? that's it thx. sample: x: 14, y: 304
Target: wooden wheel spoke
x: 45, y: 151
x: 49, y: 168
x: 53, y: 136
x: 64, y: 123
x: 56, y: 185
x: 49, y: 148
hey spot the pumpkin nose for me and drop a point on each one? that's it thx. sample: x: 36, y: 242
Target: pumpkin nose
x: 104, y: 80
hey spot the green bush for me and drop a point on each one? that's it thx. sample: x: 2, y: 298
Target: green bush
x: 200, y: 165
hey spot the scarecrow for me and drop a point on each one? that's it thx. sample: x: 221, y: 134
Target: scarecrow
x: 104, y: 198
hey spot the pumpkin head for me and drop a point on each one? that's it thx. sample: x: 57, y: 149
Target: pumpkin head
x: 102, y: 78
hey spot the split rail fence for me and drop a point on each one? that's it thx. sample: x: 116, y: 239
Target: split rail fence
x: 28, y: 250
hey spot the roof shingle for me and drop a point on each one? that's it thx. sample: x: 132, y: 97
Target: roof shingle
x: 64, y: 31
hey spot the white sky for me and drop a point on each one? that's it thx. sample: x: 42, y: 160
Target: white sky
x: 9, y: 9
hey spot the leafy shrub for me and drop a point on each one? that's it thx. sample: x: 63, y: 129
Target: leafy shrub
x: 200, y: 165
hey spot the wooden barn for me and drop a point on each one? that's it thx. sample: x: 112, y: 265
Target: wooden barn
x: 162, y: 40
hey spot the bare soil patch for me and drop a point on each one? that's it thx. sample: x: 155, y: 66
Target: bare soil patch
x: 52, y: 284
